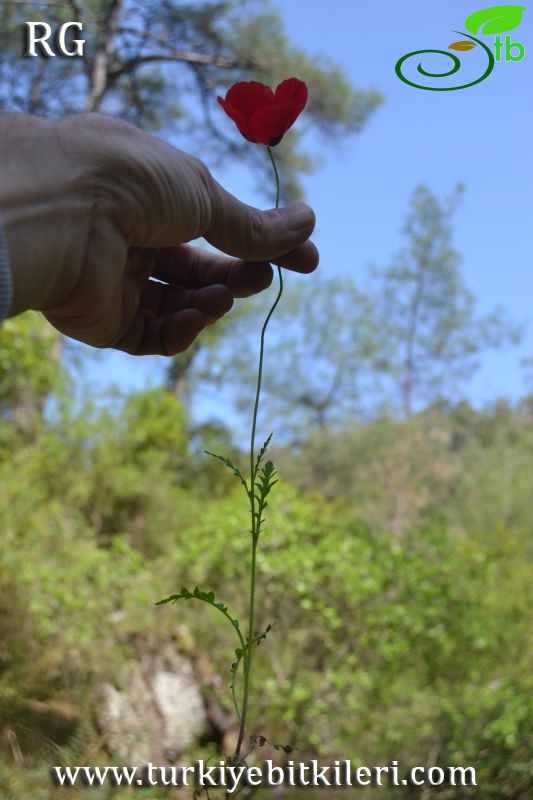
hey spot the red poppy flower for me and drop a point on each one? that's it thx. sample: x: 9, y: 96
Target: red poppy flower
x: 261, y: 115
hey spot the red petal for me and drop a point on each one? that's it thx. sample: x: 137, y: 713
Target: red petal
x: 249, y: 96
x: 293, y: 92
x: 237, y: 118
x: 270, y: 123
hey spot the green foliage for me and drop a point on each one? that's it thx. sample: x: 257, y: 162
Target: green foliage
x: 396, y: 569
x: 429, y: 336
x: 379, y: 638
x: 397, y: 566
x: 30, y: 367
x: 410, y: 643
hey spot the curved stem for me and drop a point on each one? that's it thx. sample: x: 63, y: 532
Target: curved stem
x: 247, y: 661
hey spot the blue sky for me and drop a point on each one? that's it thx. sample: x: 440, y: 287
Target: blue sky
x: 480, y: 136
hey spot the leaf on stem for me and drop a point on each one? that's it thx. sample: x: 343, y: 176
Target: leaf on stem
x: 257, y: 639
x: 207, y: 597
x: 262, y: 452
x: 236, y: 471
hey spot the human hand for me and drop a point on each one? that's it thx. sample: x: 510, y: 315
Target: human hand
x: 93, y: 208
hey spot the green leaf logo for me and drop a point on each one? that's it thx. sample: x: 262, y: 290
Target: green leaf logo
x: 496, y: 19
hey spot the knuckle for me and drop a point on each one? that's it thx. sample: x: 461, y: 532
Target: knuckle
x: 200, y: 170
x: 255, y: 234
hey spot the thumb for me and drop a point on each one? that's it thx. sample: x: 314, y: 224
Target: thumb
x: 248, y: 233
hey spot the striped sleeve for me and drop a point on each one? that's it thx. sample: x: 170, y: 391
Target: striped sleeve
x: 6, y: 287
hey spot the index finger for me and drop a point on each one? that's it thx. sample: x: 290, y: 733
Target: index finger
x: 193, y: 267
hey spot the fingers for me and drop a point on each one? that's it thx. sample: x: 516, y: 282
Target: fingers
x: 199, y: 288
x: 162, y: 300
x: 303, y: 259
x: 162, y: 336
x: 193, y: 267
x: 254, y: 235
x: 207, y: 209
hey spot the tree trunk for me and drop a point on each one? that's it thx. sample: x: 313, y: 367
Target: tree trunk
x: 102, y: 64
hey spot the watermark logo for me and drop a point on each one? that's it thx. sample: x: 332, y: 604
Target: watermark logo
x: 37, y: 35
x: 487, y: 21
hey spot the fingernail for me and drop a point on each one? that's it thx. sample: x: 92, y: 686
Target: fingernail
x: 299, y: 217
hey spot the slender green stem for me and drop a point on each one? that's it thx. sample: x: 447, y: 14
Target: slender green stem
x: 273, y: 161
x: 247, y: 661
x: 262, y: 347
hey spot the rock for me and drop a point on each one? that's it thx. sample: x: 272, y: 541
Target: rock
x: 156, y: 713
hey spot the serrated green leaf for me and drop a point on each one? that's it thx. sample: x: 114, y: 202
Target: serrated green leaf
x: 236, y: 471
x: 496, y: 19
x: 207, y: 597
x: 262, y: 452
